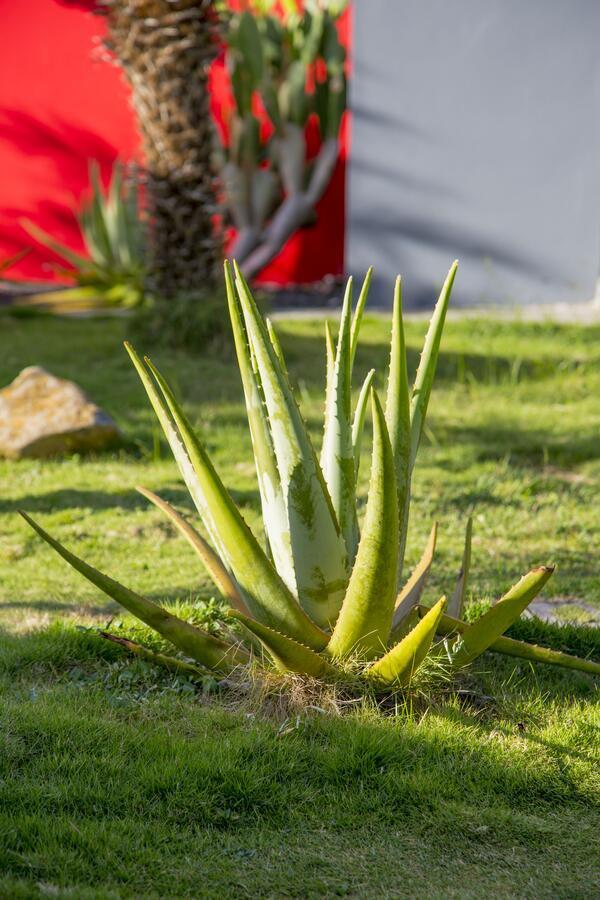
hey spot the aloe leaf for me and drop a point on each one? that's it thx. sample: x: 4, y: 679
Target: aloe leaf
x: 75, y: 259
x: 457, y: 600
x: 276, y: 344
x: 520, y: 649
x: 274, y: 512
x: 427, y: 365
x: 181, y: 455
x: 358, y: 424
x: 358, y: 315
x: 287, y: 654
x: 172, y: 663
x: 400, y: 663
x: 397, y: 415
x: 201, y: 646
x: 412, y: 591
x: 337, y: 455
x: 318, y: 548
x: 492, y: 624
x: 365, y: 619
x: 330, y: 365
x: 212, y: 563
x: 264, y: 593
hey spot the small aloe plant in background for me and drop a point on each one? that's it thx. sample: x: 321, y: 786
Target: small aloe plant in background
x: 113, y: 272
x: 324, y: 596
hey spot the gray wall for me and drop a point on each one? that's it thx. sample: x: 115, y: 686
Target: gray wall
x: 475, y: 135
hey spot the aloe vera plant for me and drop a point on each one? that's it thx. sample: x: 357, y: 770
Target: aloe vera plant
x: 113, y: 272
x: 323, y: 595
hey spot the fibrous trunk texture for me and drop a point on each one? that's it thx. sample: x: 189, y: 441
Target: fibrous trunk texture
x: 165, y: 48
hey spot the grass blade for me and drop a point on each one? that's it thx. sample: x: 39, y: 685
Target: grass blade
x: 365, y: 619
x: 457, y: 600
x: 476, y: 639
x: 318, y: 548
x: 201, y: 646
x: 427, y: 365
x: 212, y: 563
x: 287, y: 654
x: 400, y: 663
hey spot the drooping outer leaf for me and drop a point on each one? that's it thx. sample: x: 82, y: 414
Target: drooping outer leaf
x: 397, y: 415
x: 288, y: 655
x: 488, y: 627
x: 457, y: 600
x: 264, y: 593
x: 412, y: 591
x: 401, y: 662
x: 359, y: 419
x: 318, y: 548
x: 337, y: 456
x: 201, y: 646
x: 358, y: 315
x: 365, y: 619
x: 212, y: 563
x: 520, y: 649
x: 427, y: 365
x: 274, y: 512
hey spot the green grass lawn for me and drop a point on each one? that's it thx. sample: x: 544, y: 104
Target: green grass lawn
x: 120, y: 781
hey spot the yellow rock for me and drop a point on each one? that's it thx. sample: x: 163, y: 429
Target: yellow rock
x: 42, y: 415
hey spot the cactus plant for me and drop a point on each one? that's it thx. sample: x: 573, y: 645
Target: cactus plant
x: 271, y: 189
x: 323, y: 596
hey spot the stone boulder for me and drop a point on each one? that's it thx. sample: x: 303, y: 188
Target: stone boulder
x: 42, y: 415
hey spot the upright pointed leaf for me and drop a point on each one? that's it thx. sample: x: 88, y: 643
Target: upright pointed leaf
x: 264, y: 593
x: 359, y: 419
x: 457, y: 600
x: 215, y: 568
x: 274, y: 512
x: 329, y: 370
x: 427, y: 365
x: 201, y: 646
x: 288, y: 655
x: 412, y: 591
x: 358, y: 315
x: 397, y: 415
x: 400, y: 663
x: 492, y: 624
x: 276, y: 344
x: 365, y: 619
x: 337, y: 456
x: 318, y: 548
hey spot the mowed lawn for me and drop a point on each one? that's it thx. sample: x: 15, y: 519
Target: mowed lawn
x: 119, y: 781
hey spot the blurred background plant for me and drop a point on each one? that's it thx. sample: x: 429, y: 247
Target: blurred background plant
x: 112, y: 273
x: 287, y: 63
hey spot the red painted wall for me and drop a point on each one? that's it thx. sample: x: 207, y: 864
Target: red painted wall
x: 61, y: 105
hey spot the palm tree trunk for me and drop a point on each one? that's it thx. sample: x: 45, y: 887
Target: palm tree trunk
x: 165, y: 48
